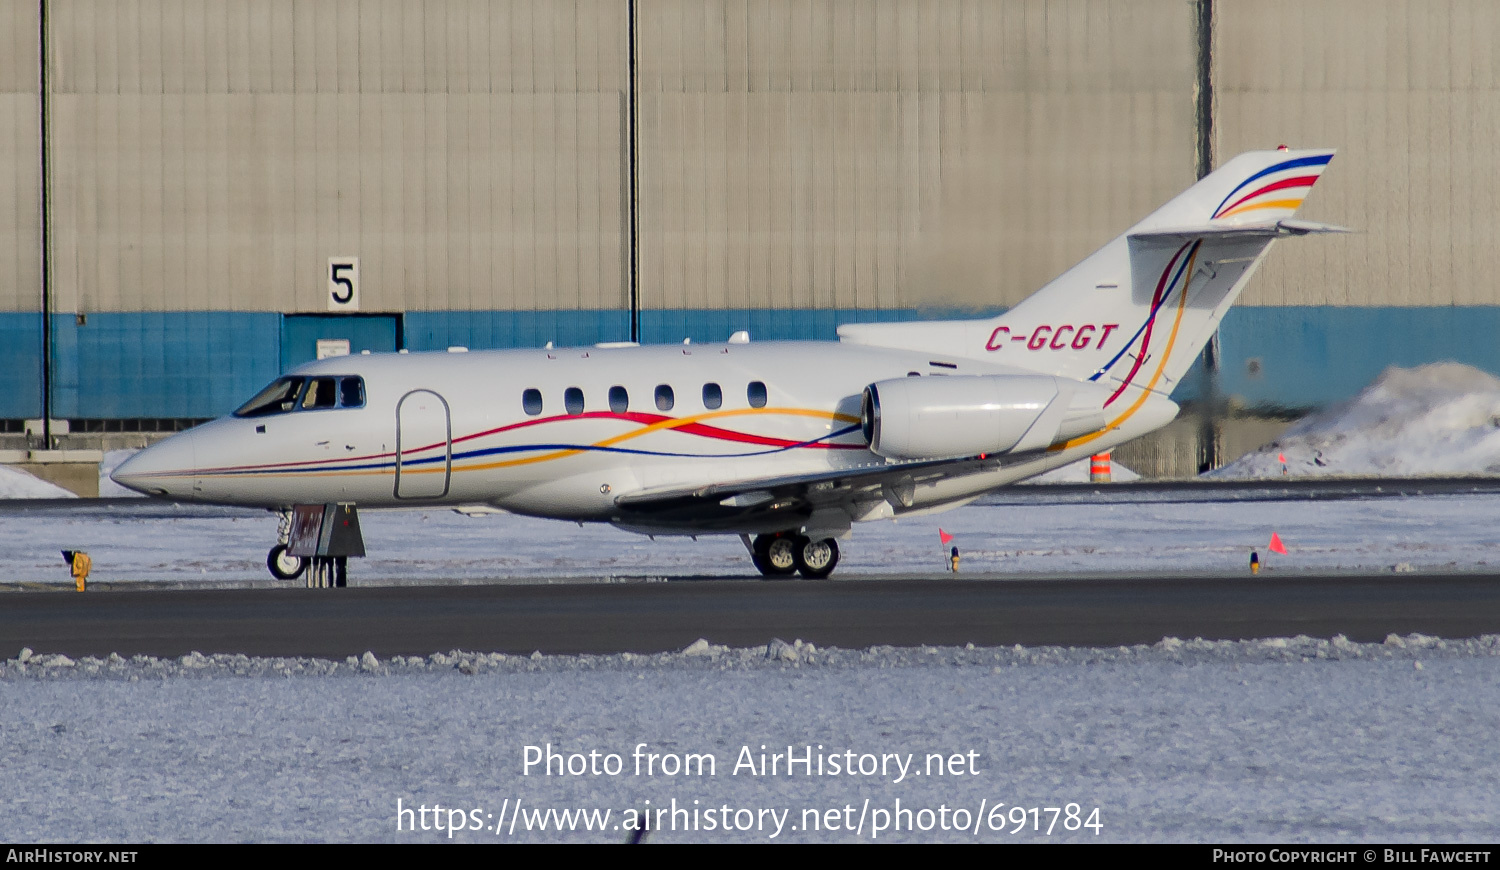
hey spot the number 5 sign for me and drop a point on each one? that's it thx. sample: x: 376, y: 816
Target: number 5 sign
x: 343, y: 283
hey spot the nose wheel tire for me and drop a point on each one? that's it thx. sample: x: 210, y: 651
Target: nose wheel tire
x: 816, y: 559
x: 284, y: 567
x: 776, y: 555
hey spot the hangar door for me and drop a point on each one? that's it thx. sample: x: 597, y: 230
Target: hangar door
x: 306, y: 337
x: 424, y: 445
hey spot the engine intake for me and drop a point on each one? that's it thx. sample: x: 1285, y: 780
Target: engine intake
x: 966, y: 415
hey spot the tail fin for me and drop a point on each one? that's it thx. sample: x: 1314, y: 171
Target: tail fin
x: 1137, y: 312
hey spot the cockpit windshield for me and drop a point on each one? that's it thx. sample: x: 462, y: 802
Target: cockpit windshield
x: 278, y: 398
x: 288, y: 394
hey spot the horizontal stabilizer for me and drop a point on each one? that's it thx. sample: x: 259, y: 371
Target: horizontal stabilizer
x: 1136, y: 313
x: 1265, y: 230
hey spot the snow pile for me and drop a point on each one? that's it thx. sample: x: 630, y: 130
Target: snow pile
x: 1442, y: 418
x: 775, y: 655
x: 112, y: 460
x: 1078, y: 472
x: 15, y: 483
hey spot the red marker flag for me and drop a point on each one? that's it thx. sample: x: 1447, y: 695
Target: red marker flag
x: 944, y: 537
x: 1281, y: 457
x: 1276, y: 546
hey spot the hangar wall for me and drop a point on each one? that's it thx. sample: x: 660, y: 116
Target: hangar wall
x: 211, y: 156
x: 800, y: 163
x: 20, y: 210
x: 1409, y: 92
x: 837, y: 160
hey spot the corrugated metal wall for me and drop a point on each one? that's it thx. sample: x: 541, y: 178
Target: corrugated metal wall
x: 1409, y: 91
x: 20, y: 211
x: 847, y: 159
x: 900, y: 153
x: 212, y: 154
x: 20, y: 158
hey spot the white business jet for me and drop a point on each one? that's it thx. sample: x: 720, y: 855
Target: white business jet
x: 786, y: 444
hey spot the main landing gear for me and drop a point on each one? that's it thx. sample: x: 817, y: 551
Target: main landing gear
x: 782, y: 554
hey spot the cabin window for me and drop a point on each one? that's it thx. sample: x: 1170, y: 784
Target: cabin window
x: 713, y: 397
x: 619, y: 400
x: 278, y: 398
x: 573, y: 400
x: 664, y: 398
x: 531, y: 402
x: 351, y: 392
x: 756, y: 394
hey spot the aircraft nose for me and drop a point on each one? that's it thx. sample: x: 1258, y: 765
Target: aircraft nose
x: 166, y: 468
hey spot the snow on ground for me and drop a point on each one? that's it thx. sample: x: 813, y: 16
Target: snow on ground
x: 15, y: 483
x: 164, y: 542
x: 1276, y: 741
x: 1442, y: 418
x: 1280, y: 740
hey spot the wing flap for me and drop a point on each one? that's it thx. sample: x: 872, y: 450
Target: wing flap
x: 786, y: 501
x: 749, y: 492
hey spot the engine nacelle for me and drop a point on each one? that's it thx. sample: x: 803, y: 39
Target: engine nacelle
x: 966, y: 415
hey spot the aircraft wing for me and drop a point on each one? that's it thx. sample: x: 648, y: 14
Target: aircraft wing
x: 775, y: 503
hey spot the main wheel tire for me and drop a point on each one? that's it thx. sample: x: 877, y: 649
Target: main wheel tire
x: 776, y: 555
x: 816, y: 559
x: 284, y: 567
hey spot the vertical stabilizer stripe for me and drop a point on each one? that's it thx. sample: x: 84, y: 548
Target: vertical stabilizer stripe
x: 1315, y: 160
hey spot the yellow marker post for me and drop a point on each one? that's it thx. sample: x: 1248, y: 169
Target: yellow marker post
x: 80, y: 564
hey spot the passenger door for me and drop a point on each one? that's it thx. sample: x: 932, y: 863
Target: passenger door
x: 424, y: 446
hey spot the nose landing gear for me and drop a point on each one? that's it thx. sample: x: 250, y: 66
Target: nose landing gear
x: 284, y: 567
x: 782, y: 554
x: 316, y: 541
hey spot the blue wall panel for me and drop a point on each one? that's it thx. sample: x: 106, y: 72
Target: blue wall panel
x: 1309, y: 356
x: 671, y: 326
x: 202, y: 364
x: 486, y: 330
x: 180, y: 364
x: 20, y: 365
